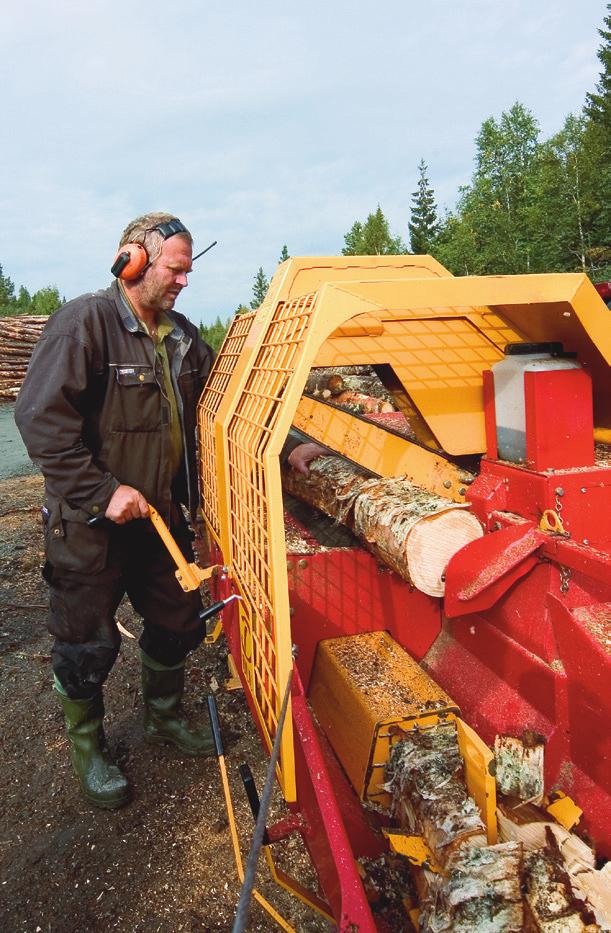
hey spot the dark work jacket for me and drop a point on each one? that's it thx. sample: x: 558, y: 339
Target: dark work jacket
x: 93, y: 415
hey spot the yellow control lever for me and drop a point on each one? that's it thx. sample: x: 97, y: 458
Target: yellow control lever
x: 188, y: 575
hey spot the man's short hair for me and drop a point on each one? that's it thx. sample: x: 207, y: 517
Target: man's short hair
x: 142, y: 230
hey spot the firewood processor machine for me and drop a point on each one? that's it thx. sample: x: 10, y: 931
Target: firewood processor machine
x: 520, y: 637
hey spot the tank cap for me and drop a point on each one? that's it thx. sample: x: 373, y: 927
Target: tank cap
x: 518, y: 349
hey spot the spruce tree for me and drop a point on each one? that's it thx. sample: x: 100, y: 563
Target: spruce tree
x: 7, y: 293
x: 598, y: 105
x: 598, y: 144
x: 373, y: 238
x: 259, y: 289
x: 284, y: 255
x: 423, y: 227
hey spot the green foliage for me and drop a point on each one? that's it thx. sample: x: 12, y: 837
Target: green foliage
x: 489, y: 233
x: 214, y: 334
x: 7, y: 291
x: 259, y: 290
x: 44, y: 301
x: 423, y: 226
x: 284, y: 254
x: 372, y: 238
x: 537, y: 206
x: 598, y: 105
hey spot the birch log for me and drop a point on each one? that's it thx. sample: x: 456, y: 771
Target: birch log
x: 408, y: 528
x: 429, y: 794
x: 478, y: 890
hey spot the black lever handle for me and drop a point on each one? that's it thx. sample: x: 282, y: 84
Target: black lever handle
x: 253, y: 795
x: 215, y: 726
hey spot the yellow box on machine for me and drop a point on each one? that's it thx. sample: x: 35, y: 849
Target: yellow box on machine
x: 366, y: 691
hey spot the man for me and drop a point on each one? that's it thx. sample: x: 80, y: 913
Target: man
x: 108, y: 411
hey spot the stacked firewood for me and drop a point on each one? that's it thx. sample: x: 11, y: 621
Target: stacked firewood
x: 18, y: 337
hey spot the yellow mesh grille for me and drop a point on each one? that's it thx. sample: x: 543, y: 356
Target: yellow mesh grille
x: 256, y: 529
x: 216, y: 387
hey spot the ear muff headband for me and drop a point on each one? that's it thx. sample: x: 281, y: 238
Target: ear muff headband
x: 132, y: 258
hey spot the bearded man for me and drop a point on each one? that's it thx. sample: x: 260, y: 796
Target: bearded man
x: 108, y: 412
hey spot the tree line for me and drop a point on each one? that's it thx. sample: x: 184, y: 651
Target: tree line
x: 532, y: 205
x: 44, y: 301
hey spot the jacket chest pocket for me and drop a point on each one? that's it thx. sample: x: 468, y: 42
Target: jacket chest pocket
x: 137, y: 404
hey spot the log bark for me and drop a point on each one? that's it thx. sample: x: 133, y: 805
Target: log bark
x: 385, y: 513
x: 479, y: 887
x: 429, y: 794
x: 519, y: 766
x: 480, y: 894
x: 329, y: 382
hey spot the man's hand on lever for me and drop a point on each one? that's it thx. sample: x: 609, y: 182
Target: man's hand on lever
x: 125, y: 505
x: 301, y: 456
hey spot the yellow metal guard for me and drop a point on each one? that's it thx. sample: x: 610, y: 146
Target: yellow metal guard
x: 437, y: 333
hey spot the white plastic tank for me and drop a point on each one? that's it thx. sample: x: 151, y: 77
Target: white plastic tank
x: 508, y: 376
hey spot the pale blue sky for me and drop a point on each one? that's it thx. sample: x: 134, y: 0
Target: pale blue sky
x: 257, y: 123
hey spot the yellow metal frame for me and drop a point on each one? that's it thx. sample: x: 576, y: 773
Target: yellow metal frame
x: 439, y: 333
x: 378, y: 450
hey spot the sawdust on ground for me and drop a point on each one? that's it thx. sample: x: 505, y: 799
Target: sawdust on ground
x: 164, y: 863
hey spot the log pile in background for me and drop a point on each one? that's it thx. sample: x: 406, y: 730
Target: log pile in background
x: 18, y: 337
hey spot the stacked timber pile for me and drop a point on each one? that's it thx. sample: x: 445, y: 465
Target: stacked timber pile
x: 18, y: 337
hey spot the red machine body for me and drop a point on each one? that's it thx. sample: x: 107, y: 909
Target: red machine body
x: 520, y: 641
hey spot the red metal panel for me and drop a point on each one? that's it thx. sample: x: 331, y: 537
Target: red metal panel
x: 344, y: 592
x: 326, y: 840
x: 559, y: 419
x: 582, y: 497
x: 482, y: 571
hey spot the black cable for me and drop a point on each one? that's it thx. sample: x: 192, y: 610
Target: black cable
x: 241, y: 917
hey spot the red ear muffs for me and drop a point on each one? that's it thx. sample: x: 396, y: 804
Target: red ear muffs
x: 130, y: 261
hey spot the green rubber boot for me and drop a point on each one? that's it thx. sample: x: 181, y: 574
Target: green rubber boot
x: 162, y: 690
x: 102, y: 783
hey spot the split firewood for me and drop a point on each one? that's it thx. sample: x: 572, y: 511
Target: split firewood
x: 408, y: 528
x: 480, y: 894
x: 429, y: 794
x: 551, y: 904
x: 594, y: 887
x: 478, y: 888
x: 530, y: 825
x: 519, y: 766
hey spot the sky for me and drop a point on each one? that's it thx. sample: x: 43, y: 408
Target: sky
x: 258, y: 124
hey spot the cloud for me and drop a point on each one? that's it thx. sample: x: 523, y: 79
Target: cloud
x: 258, y: 124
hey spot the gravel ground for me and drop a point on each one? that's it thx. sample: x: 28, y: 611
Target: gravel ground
x: 164, y: 863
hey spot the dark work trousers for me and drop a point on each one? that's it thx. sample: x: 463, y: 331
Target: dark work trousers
x: 82, y: 607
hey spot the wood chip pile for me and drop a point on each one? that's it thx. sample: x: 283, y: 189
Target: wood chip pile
x: 18, y: 337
